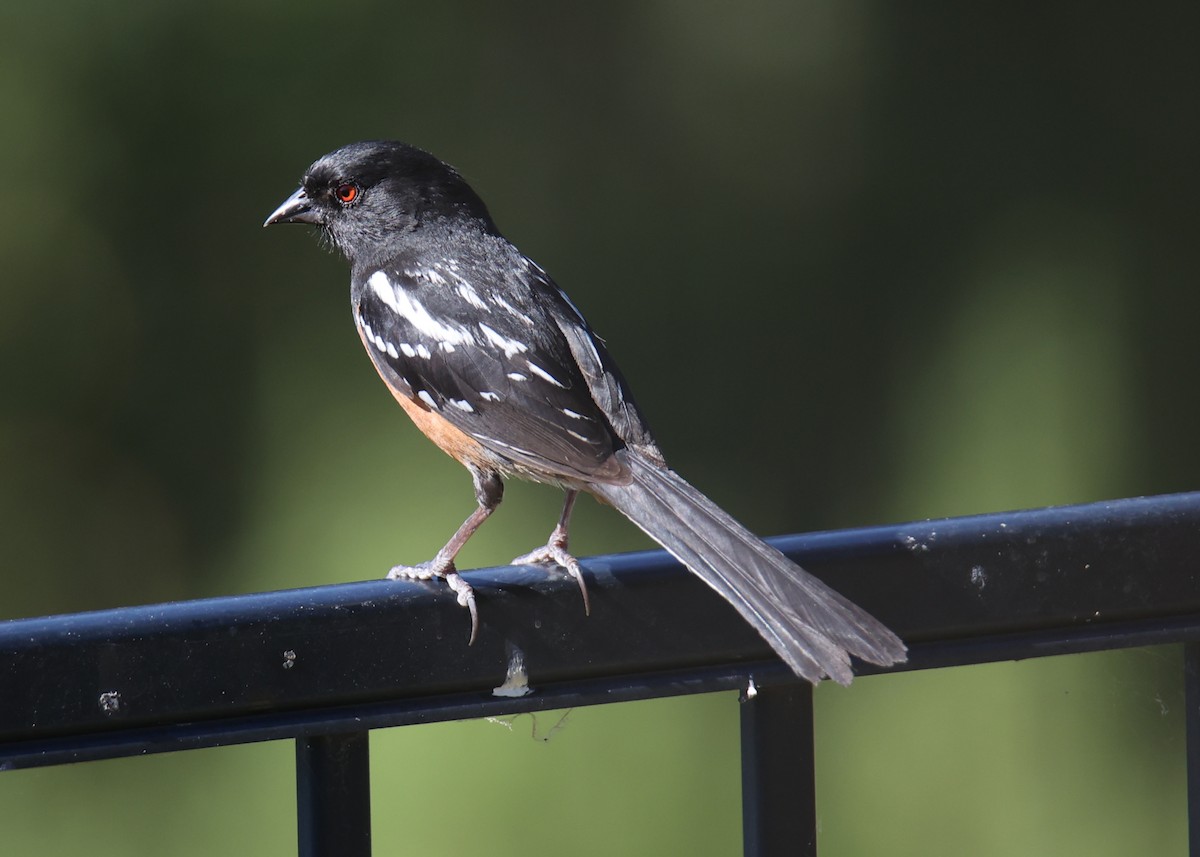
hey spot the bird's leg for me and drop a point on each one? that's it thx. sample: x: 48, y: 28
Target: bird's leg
x: 489, y: 491
x: 555, y: 551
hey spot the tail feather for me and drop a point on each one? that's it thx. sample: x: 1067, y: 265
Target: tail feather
x: 814, y: 629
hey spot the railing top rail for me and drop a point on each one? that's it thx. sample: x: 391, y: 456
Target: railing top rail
x: 378, y: 653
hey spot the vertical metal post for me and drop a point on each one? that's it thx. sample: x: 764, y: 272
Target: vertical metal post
x: 1191, y: 702
x: 333, y: 795
x: 779, y: 793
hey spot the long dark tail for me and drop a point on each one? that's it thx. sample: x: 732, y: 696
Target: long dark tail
x: 813, y: 628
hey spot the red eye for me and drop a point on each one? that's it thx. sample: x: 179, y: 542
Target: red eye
x: 346, y: 193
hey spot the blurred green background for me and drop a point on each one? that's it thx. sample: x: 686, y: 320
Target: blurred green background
x: 929, y: 260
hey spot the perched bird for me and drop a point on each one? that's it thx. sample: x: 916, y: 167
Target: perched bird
x: 498, y: 367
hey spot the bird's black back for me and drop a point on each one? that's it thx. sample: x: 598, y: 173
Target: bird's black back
x: 457, y: 318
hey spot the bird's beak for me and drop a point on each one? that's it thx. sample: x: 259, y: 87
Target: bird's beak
x: 295, y: 209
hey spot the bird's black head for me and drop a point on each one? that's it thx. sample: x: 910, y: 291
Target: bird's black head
x: 368, y: 196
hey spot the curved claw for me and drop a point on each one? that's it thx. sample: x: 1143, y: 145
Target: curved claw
x: 577, y: 573
x: 552, y: 553
x: 466, y: 598
x: 433, y: 568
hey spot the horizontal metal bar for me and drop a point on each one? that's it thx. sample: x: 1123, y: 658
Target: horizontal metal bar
x: 361, y: 655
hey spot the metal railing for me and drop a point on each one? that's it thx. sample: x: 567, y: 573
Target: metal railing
x: 320, y: 666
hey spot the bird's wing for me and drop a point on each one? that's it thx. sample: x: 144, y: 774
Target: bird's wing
x: 479, y: 350
x: 607, y: 385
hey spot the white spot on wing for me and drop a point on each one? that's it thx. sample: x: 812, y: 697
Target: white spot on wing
x: 503, y: 445
x: 512, y: 310
x: 572, y: 414
x: 489, y: 396
x: 467, y: 292
x: 407, y: 350
x: 392, y: 352
x: 462, y: 405
x: 509, y: 346
x: 543, y: 374
x: 422, y: 351
x: 403, y: 304
x: 428, y: 274
x: 427, y: 399
x: 517, y: 376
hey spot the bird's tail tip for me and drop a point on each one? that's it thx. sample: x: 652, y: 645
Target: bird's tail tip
x: 814, y: 629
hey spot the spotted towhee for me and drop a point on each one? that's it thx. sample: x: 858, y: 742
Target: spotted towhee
x: 494, y: 363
